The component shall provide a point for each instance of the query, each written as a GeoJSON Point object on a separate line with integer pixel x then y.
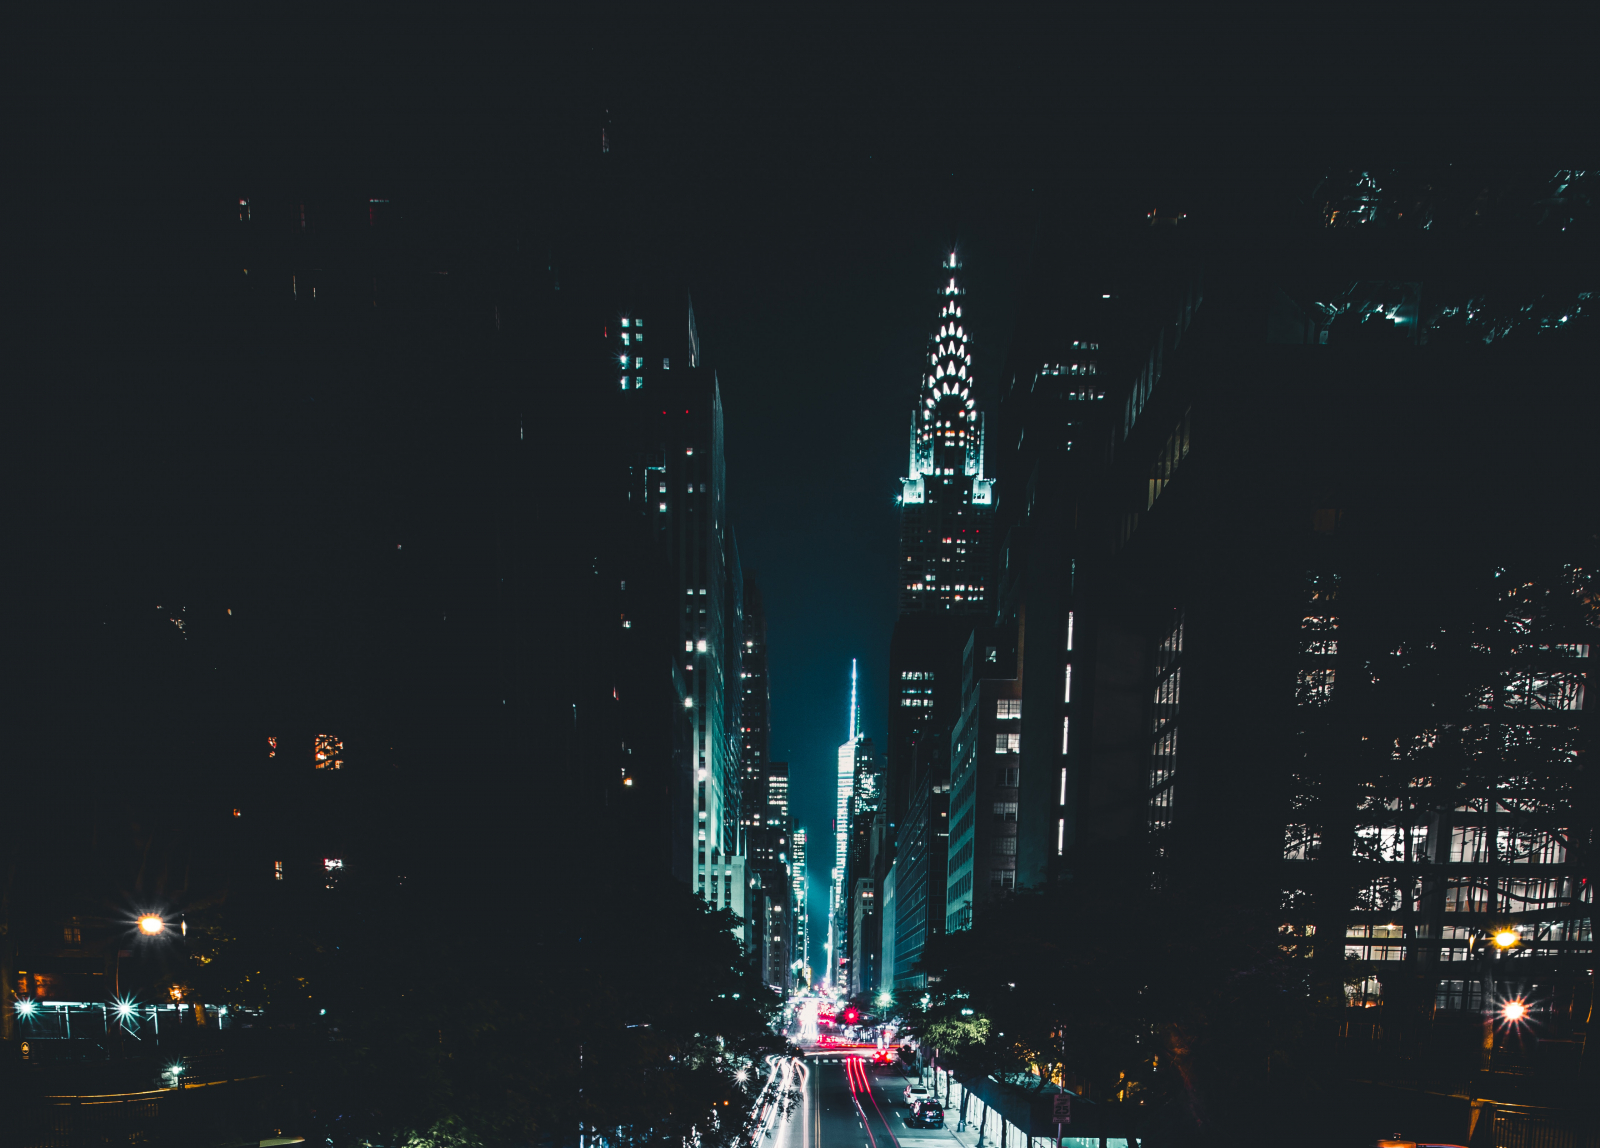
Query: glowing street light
{"type": "Point", "coordinates": [1513, 1010]}
{"type": "Point", "coordinates": [25, 1008]}
{"type": "Point", "coordinates": [151, 925]}
{"type": "Point", "coordinates": [124, 1007]}
{"type": "Point", "coordinates": [1507, 938]}
{"type": "Point", "coordinates": [741, 1076]}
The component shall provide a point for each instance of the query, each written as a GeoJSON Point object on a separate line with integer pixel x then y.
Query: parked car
{"type": "Point", "coordinates": [916, 1092]}
{"type": "Point", "coordinates": [926, 1114]}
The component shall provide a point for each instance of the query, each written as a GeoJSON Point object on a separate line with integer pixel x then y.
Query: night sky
{"type": "Point", "coordinates": [814, 178]}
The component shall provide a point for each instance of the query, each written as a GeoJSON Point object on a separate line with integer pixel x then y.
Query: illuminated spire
{"type": "Point", "coordinates": [855, 706]}
{"type": "Point", "coordinates": [947, 428]}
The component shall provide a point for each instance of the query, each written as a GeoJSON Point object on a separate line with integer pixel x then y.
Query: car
{"type": "Point", "coordinates": [916, 1092]}
{"type": "Point", "coordinates": [883, 1056]}
{"type": "Point", "coordinates": [926, 1114]}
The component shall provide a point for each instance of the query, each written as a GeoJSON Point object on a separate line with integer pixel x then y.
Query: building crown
{"type": "Point", "coordinates": [947, 427]}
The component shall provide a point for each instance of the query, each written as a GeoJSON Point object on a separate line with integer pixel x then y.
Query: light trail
{"type": "Point", "coordinates": [858, 1066]}
{"type": "Point", "coordinates": [851, 1063]}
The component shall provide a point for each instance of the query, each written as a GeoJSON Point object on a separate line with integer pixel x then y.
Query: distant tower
{"type": "Point", "coordinates": [837, 907]}
{"type": "Point", "coordinates": [801, 920]}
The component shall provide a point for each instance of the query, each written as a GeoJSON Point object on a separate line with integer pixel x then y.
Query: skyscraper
{"type": "Point", "coordinates": [946, 512]}
{"type": "Point", "coordinates": [801, 920]}
{"type": "Point", "coordinates": [756, 821]}
{"type": "Point", "coordinates": [1352, 697]}
{"type": "Point", "coordinates": [945, 497]}
{"type": "Point", "coordinates": [843, 794]}
{"type": "Point", "coordinates": [670, 407]}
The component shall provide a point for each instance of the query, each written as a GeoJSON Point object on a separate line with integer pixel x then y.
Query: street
{"type": "Point", "coordinates": [847, 1104]}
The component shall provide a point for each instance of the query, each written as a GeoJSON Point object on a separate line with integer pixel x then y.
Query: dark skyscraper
{"type": "Point", "coordinates": [681, 482]}
{"type": "Point", "coordinates": [1352, 696]}
{"type": "Point", "coordinates": [755, 728]}
{"type": "Point", "coordinates": [764, 801]}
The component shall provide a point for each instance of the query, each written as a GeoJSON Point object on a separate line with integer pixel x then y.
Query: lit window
{"type": "Point", "coordinates": [701, 645]}
{"type": "Point", "coordinates": [624, 338]}
{"type": "Point", "coordinates": [638, 322]}
{"type": "Point", "coordinates": [326, 750]}
{"type": "Point", "coordinates": [1008, 708]}
{"type": "Point", "coordinates": [277, 870]}
{"type": "Point", "coordinates": [688, 645]}
{"type": "Point", "coordinates": [624, 382]}
{"type": "Point", "coordinates": [666, 364]}
{"type": "Point", "coordinates": [1008, 743]}
{"type": "Point", "coordinates": [1005, 811]}
{"type": "Point", "coordinates": [638, 364]}
{"type": "Point", "coordinates": [625, 322]}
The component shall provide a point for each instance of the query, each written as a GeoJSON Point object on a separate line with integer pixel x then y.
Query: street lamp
{"type": "Point", "coordinates": [1507, 938]}
{"type": "Point", "coordinates": [1514, 1010]}
{"type": "Point", "coordinates": [151, 925]}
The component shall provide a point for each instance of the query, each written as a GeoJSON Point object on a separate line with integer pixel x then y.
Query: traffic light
{"type": "Point", "coordinates": [851, 1015]}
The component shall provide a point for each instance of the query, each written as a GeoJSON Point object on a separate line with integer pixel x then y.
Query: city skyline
{"type": "Point", "coordinates": [458, 477]}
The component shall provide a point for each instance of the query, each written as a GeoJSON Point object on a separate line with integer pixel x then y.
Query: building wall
{"type": "Point", "coordinates": [985, 780]}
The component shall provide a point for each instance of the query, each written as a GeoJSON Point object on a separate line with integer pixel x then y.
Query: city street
{"type": "Point", "coordinates": [847, 1104]}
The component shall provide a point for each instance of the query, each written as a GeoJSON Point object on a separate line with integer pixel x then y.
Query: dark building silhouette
{"type": "Point", "coordinates": [1293, 593]}
{"type": "Point", "coordinates": [764, 793]}
{"type": "Point", "coordinates": [913, 903]}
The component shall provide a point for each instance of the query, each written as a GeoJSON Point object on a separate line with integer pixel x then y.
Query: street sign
{"type": "Point", "coordinates": [1061, 1108]}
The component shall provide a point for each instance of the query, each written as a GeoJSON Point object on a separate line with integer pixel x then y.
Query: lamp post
{"type": "Point", "coordinates": [1501, 940]}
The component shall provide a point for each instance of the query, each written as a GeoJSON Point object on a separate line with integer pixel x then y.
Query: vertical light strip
{"type": "Point", "coordinates": [1061, 833]}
